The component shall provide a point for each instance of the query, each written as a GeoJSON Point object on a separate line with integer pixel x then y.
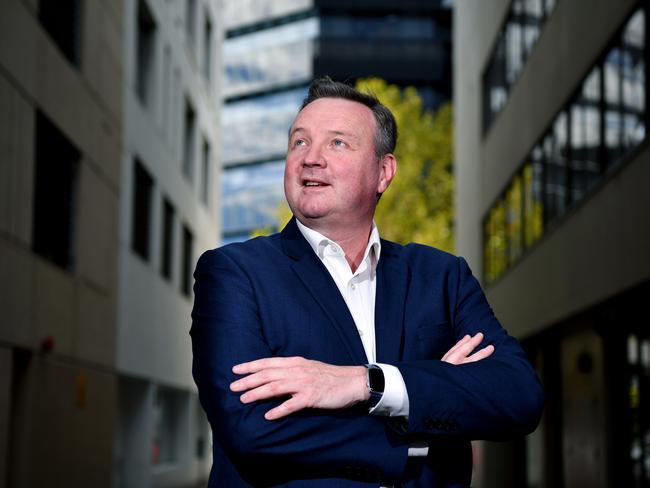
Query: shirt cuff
{"type": "Point", "coordinates": [395, 400]}
{"type": "Point", "coordinates": [419, 449]}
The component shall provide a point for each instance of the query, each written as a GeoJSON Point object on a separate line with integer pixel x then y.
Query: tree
{"type": "Point", "coordinates": [418, 205]}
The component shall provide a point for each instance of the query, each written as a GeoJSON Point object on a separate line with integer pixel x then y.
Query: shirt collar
{"type": "Point", "coordinates": [318, 242]}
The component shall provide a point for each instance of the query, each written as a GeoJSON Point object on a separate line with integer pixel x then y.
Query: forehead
{"type": "Point", "coordinates": [335, 114]}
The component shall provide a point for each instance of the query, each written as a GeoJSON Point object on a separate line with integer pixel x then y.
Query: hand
{"type": "Point", "coordinates": [311, 384]}
{"type": "Point", "coordinates": [460, 353]}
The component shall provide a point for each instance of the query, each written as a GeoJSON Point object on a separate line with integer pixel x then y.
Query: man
{"type": "Point", "coordinates": [325, 356]}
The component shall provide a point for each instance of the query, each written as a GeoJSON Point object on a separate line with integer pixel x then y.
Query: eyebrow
{"type": "Point", "coordinates": [332, 132]}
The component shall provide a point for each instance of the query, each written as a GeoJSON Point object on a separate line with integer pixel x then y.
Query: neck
{"type": "Point", "coordinates": [352, 239]}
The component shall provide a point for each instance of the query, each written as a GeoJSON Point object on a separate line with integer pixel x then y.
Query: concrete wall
{"type": "Point", "coordinates": [57, 408]}
{"type": "Point", "coordinates": [475, 27]}
{"type": "Point", "coordinates": [154, 315]}
{"type": "Point", "coordinates": [76, 309]}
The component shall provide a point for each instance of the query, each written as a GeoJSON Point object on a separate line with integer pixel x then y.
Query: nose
{"type": "Point", "coordinates": [314, 157]}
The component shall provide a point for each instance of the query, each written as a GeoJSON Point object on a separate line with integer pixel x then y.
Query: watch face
{"type": "Point", "coordinates": [376, 379]}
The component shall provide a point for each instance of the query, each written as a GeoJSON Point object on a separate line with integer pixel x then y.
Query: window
{"type": "Point", "coordinates": [55, 194]}
{"type": "Point", "coordinates": [186, 271]}
{"type": "Point", "coordinates": [188, 141]}
{"type": "Point", "coordinates": [207, 48]}
{"type": "Point", "coordinates": [167, 254]}
{"type": "Point", "coordinates": [633, 81]}
{"type": "Point", "coordinates": [145, 54]}
{"type": "Point", "coordinates": [166, 95]}
{"type": "Point", "coordinates": [513, 219]}
{"type": "Point", "coordinates": [141, 215]}
{"type": "Point", "coordinates": [514, 43]}
{"type": "Point", "coordinates": [533, 198]}
{"type": "Point", "coordinates": [595, 131]}
{"type": "Point", "coordinates": [190, 23]}
{"type": "Point", "coordinates": [555, 154]}
{"type": "Point", "coordinates": [168, 425]}
{"type": "Point", "coordinates": [585, 136]}
{"type": "Point", "coordinates": [205, 174]}
{"type": "Point", "coordinates": [62, 21]}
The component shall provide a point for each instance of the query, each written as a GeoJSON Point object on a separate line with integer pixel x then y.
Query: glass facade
{"type": "Point", "coordinates": [256, 129]}
{"type": "Point", "coordinates": [388, 27]}
{"type": "Point", "coordinates": [269, 58]}
{"type": "Point", "coordinates": [246, 12]}
{"type": "Point", "coordinates": [250, 196]}
{"type": "Point", "coordinates": [596, 130]}
{"type": "Point", "coordinates": [514, 44]}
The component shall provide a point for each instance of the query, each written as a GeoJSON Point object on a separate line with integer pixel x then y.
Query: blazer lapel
{"type": "Point", "coordinates": [320, 284]}
{"type": "Point", "coordinates": [392, 284]}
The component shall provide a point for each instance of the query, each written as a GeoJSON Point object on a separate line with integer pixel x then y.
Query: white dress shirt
{"type": "Point", "coordinates": [358, 290]}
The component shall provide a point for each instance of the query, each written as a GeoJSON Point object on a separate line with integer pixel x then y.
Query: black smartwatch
{"type": "Point", "coordinates": [375, 383]}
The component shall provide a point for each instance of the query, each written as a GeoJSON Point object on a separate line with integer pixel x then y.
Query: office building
{"type": "Point", "coordinates": [553, 213]}
{"type": "Point", "coordinates": [272, 51]}
{"type": "Point", "coordinates": [168, 216]}
{"type": "Point", "coordinates": [109, 190]}
{"type": "Point", "coordinates": [61, 120]}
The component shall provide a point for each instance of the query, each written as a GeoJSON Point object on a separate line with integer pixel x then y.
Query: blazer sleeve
{"type": "Point", "coordinates": [226, 330]}
{"type": "Point", "coordinates": [497, 398]}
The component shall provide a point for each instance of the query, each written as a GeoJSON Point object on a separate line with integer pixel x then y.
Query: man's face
{"type": "Point", "coordinates": [332, 175]}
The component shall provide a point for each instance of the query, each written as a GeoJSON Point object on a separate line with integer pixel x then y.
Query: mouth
{"type": "Point", "coordinates": [313, 183]}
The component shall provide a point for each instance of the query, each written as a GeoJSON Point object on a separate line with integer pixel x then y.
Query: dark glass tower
{"type": "Point", "coordinates": [271, 55]}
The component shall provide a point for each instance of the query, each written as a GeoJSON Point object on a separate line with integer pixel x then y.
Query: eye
{"type": "Point", "coordinates": [338, 142]}
{"type": "Point", "coordinates": [299, 142]}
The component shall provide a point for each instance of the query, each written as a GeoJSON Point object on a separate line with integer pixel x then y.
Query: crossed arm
{"type": "Point", "coordinates": [314, 384]}
{"type": "Point", "coordinates": [488, 394]}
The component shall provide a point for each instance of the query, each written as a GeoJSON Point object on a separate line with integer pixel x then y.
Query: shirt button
{"type": "Point", "coordinates": [360, 332]}
{"type": "Point", "coordinates": [333, 248]}
{"type": "Point", "coordinates": [353, 286]}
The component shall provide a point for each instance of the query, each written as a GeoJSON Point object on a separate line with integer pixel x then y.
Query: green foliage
{"type": "Point", "coordinates": [418, 206]}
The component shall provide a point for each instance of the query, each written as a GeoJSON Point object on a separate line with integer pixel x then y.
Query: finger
{"type": "Point", "coordinates": [460, 343]}
{"type": "Point", "coordinates": [265, 363]}
{"type": "Point", "coordinates": [292, 405]}
{"type": "Point", "coordinates": [269, 390]}
{"type": "Point", "coordinates": [262, 377]}
{"type": "Point", "coordinates": [482, 354]}
{"type": "Point", "coordinates": [463, 348]}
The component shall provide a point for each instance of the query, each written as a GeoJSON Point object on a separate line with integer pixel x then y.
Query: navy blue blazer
{"type": "Point", "coordinates": [272, 296]}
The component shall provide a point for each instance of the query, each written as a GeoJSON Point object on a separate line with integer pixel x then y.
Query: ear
{"type": "Point", "coordinates": [388, 168]}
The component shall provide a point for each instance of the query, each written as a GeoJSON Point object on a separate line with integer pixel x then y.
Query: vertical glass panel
{"type": "Point", "coordinates": [613, 118]}
{"type": "Point", "coordinates": [550, 5]}
{"type": "Point", "coordinates": [496, 81]}
{"type": "Point", "coordinates": [533, 202]}
{"type": "Point", "coordinates": [513, 219]}
{"type": "Point", "coordinates": [555, 149]}
{"type": "Point", "coordinates": [532, 15]}
{"type": "Point", "coordinates": [633, 81]}
{"type": "Point", "coordinates": [514, 43]}
{"type": "Point", "coordinates": [585, 136]}
{"type": "Point", "coordinates": [488, 274]}
{"type": "Point", "coordinates": [497, 242]}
